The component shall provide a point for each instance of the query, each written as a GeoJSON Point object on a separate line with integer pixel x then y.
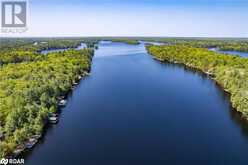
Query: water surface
{"type": "Point", "coordinates": [230, 52]}
{"type": "Point", "coordinates": [135, 110]}
{"type": "Point", "coordinates": [81, 46]}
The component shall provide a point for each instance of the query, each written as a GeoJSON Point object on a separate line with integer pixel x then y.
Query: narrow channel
{"type": "Point", "coordinates": [135, 110]}
{"type": "Point", "coordinates": [230, 52]}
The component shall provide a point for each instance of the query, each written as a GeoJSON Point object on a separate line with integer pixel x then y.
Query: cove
{"type": "Point", "coordinates": [81, 46]}
{"type": "Point", "coordinates": [230, 52]}
{"type": "Point", "coordinates": [135, 110]}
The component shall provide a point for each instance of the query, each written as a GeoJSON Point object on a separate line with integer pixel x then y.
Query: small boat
{"type": "Point", "coordinates": [226, 90]}
{"type": "Point", "coordinates": [86, 74]}
{"type": "Point", "coordinates": [53, 118]}
{"type": "Point", "coordinates": [209, 73]}
{"type": "Point", "coordinates": [36, 137]}
{"type": "Point", "coordinates": [62, 102]}
{"type": "Point", "coordinates": [31, 142]}
{"type": "Point", "coordinates": [61, 97]}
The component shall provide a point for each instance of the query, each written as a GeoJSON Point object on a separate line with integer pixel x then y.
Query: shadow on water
{"type": "Point", "coordinates": [136, 110]}
{"type": "Point", "coordinates": [236, 116]}
{"type": "Point", "coordinates": [49, 128]}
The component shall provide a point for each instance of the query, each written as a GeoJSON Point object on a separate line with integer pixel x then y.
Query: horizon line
{"type": "Point", "coordinates": [180, 37]}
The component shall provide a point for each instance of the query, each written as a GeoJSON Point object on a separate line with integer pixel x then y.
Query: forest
{"type": "Point", "coordinates": [127, 41]}
{"type": "Point", "coordinates": [25, 50]}
{"type": "Point", "coordinates": [230, 72]}
{"type": "Point", "coordinates": [236, 44]}
{"type": "Point", "coordinates": [30, 85]}
{"type": "Point", "coordinates": [225, 44]}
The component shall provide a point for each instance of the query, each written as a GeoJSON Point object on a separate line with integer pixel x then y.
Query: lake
{"type": "Point", "coordinates": [135, 110]}
{"type": "Point", "coordinates": [230, 52]}
{"type": "Point", "coordinates": [81, 46]}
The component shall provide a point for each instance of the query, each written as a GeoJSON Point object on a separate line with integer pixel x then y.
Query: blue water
{"type": "Point", "coordinates": [134, 110]}
{"type": "Point", "coordinates": [82, 46]}
{"type": "Point", "coordinates": [231, 52]}
{"type": "Point", "coordinates": [152, 43]}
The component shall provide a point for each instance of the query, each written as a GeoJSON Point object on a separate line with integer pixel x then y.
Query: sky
{"type": "Point", "coordinates": [164, 18]}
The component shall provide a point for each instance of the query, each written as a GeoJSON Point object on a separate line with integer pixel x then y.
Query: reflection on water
{"type": "Point", "coordinates": [234, 115]}
{"type": "Point", "coordinates": [135, 110]}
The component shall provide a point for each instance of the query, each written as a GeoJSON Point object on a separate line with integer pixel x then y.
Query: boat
{"type": "Point", "coordinates": [36, 137]}
{"type": "Point", "coordinates": [61, 97]}
{"type": "Point", "coordinates": [62, 102]}
{"type": "Point", "coordinates": [86, 74]}
{"type": "Point", "coordinates": [31, 142]}
{"type": "Point", "coordinates": [53, 120]}
{"type": "Point", "coordinates": [209, 73]}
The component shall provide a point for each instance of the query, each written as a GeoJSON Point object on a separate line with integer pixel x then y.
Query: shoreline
{"type": "Point", "coordinates": [209, 75]}
{"type": "Point", "coordinates": [33, 140]}
{"type": "Point", "coordinates": [51, 117]}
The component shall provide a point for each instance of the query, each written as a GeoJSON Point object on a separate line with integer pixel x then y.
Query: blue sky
{"type": "Point", "coordinates": [181, 18]}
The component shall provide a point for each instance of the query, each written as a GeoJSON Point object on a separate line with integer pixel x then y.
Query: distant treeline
{"type": "Point", "coordinates": [25, 50]}
{"type": "Point", "coordinates": [237, 44]}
